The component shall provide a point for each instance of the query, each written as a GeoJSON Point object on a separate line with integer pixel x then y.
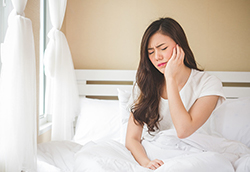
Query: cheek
{"type": "Point", "coordinates": [169, 54]}
{"type": "Point", "coordinates": [152, 59]}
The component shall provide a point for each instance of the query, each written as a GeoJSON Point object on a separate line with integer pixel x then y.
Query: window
{"type": "Point", "coordinates": [5, 8]}
{"type": "Point", "coordinates": [45, 26]}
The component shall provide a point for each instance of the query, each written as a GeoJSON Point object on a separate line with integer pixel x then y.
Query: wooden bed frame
{"type": "Point", "coordinates": [105, 82]}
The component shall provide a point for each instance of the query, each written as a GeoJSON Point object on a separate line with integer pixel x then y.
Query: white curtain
{"type": "Point", "coordinates": [62, 100]}
{"type": "Point", "coordinates": [18, 129]}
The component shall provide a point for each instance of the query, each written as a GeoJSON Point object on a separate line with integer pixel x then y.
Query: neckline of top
{"type": "Point", "coordinates": [188, 80]}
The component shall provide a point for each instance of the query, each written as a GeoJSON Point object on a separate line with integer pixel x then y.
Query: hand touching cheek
{"type": "Point", "coordinates": [175, 63]}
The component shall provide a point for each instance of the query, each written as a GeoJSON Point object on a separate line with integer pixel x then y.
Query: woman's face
{"type": "Point", "coordinates": [160, 49]}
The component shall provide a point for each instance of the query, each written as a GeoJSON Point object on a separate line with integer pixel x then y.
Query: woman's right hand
{"type": "Point", "coordinates": [176, 61]}
{"type": "Point", "coordinates": [153, 165]}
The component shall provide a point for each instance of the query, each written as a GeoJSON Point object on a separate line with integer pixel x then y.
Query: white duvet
{"type": "Point", "coordinates": [196, 153]}
{"type": "Point", "coordinates": [56, 156]}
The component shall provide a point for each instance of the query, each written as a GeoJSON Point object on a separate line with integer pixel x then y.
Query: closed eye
{"type": "Point", "coordinates": [164, 48]}
{"type": "Point", "coordinates": [150, 52]}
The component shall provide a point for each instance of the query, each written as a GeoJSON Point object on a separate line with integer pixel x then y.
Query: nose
{"type": "Point", "coordinates": [158, 56]}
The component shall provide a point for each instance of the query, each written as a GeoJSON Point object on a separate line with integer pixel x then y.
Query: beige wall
{"type": "Point", "coordinates": [106, 34]}
{"type": "Point", "coordinates": [45, 137]}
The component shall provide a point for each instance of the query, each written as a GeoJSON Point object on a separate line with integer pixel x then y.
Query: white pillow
{"type": "Point", "coordinates": [232, 120]}
{"type": "Point", "coordinates": [124, 97]}
{"type": "Point", "coordinates": [126, 100]}
{"type": "Point", "coordinates": [99, 119]}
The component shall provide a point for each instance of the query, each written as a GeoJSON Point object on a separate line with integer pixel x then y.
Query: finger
{"type": "Point", "coordinates": [152, 167]}
{"type": "Point", "coordinates": [178, 49]}
{"type": "Point", "coordinates": [173, 53]}
{"type": "Point", "coordinates": [160, 162]}
{"type": "Point", "coordinates": [181, 54]}
{"type": "Point", "coordinates": [156, 165]}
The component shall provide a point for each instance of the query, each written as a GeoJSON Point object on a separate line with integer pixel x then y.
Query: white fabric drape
{"type": "Point", "coordinates": [18, 129]}
{"type": "Point", "coordinates": [62, 100]}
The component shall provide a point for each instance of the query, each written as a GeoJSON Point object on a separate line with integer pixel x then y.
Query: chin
{"type": "Point", "coordinates": [161, 70]}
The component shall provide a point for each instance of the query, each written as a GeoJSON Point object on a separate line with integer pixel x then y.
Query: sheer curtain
{"type": "Point", "coordinates": [18, 94]}
{"type": "Point", "coordinates": [62, 100]}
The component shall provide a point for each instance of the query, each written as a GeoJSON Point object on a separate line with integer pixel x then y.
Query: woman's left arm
{"type": "Point", "coordinates": [185, 122]}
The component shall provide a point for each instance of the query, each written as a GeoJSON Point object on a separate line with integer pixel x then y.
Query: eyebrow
{"type": "Point", "coordinates": [156, 46]}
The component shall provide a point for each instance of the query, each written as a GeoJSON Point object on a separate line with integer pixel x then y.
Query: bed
{"type": "Point", "coordinates": [98, 143]}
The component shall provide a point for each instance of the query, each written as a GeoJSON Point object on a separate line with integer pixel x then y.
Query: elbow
{"type": "Point", "coordinates": [182, 134]}
{"type": "Point", "coordinates": [127, 144]}
{"type": "Point", "coordinates": [185, 130]}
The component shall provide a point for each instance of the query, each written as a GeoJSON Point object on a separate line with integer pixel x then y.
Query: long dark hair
{"type": "Point", "coordinates": [149, 80]}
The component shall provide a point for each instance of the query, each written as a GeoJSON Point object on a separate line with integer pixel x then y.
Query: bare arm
{"type": "Point", "coordinates": [133, 143]}
{"type": "Point", "coordinates": [185, 122]}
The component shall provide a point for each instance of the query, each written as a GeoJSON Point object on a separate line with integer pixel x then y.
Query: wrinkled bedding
{"type": "Point", "coordinates": [56, 156]}
{"type": "Point", "coordinates": [199, 152]}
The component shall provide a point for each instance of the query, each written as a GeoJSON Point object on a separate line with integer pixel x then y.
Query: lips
{"type": "Point", "coordinates": [161, 64]}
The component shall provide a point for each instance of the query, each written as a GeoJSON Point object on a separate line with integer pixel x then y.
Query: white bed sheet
{"type": "Point", "coordinates": [56, 156]}
{"type": "Point", "coordinates": [198, 152]}
{"type": "Point", "coordinates": [194, 154]}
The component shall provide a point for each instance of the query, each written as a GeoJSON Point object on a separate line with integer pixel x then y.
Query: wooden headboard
{"type": "Point", "coordinates": [106, 82]}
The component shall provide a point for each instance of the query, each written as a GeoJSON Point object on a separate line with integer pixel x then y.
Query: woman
{"type": "Point", "coordinates": [174, 93]}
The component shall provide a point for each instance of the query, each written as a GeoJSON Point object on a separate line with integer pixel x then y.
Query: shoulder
{"type": "Point", "coordinates": [206, 83]}
{"type": "Point", "coordinates": [203, 77]}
